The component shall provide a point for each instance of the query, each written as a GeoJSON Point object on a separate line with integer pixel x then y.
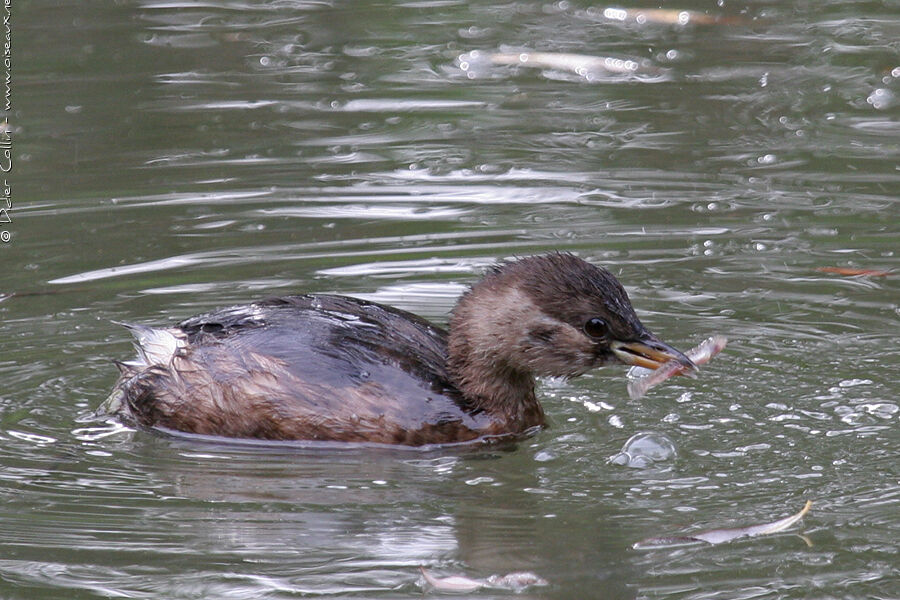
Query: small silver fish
{"type": "Point", "coordinates": [700, 355]}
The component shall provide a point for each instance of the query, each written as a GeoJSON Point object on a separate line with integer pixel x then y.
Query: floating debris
{"type": "Point", "coordinates": [700, 355]}
{"type": "Point", "coordinates": [580, 64]}
{"type": "Point", "coordinates": [719, 536]}
{"type": "Point", "coordinates": [476, 62]}
{"type": "Point", "coordinates": [667, 16]}
{"type": "Point", "coordinates": [515, 581]}
{"type": "Point", "coordinates": [454, 583]}
{"type": "Point", "coordinates": [851, 272]}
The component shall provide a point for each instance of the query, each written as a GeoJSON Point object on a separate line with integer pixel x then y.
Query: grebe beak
{"type": "Point", "coordinates": [650, 353]}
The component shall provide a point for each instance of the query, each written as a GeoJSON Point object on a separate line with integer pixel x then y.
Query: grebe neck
{"type": "Point", "coordinates": [484, 337]}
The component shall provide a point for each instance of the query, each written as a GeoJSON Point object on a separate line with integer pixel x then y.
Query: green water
{"type": "Point", "coordinates": [170, 157]}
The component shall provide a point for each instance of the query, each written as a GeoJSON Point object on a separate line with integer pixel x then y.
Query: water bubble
{"type": "Point", "coordinates": [616, 14]}
{"type": "Point", "coordinates": [643, 449]}
{"type": "Point", "coordinates": [655, 446]}
{"type": "Point", "coordinates": [544, 456]}
{"type": "Point", "coordinates": [881, 99]}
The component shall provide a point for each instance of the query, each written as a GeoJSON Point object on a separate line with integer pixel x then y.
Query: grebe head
{"type": "Point", "coordinates": [554, 315]}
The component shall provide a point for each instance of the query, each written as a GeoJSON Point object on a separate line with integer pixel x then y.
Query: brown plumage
{"type": "Point", "coordinates": [322, 367]}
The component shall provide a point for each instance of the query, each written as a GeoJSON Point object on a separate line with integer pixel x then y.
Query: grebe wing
{"type": "Point", "coordinates": [307, 367]}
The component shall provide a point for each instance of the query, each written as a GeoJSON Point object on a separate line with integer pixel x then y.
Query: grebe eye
{"type": "Point", "coordinates": [595, 327]}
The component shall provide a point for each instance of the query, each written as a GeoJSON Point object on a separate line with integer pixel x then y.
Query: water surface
{"type": "Point", "coordinates": [170, 157]}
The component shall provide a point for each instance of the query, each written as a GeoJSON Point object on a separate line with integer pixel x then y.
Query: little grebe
{"type": "Point", "coordinates": [323, 367]}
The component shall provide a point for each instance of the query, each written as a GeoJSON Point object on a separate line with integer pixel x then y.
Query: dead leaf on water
{"type": "Point", "coordinates": [851, 272]}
